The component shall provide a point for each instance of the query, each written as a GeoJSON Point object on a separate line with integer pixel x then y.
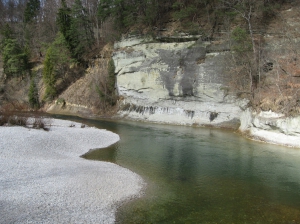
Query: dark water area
{"type": "Point", "coordinates": [202, 175]}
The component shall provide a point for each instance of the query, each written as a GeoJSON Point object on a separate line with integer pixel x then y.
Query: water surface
{"type": "Point", "coordinates": [198, 175]}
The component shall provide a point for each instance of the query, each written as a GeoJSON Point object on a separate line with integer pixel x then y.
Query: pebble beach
{"type": "Point", "coordinates": [43, 179]}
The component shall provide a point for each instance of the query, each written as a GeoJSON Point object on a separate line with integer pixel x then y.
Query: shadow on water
{"type": "Point", "coordinates": [106, 154]}
{"type": "Point", "coordinates": [197, 175]}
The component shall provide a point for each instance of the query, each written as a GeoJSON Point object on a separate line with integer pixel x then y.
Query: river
{"type": "Point", "coordinates": [203, 175]}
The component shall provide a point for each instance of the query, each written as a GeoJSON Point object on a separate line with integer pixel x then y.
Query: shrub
{"type": "Point", "coordinates": [3, 119]}
{"type": "Point", "coordinates": [33, 96]}
{"type": "Point", "coordinates": [6, 112]}
{"type": "Point", "coordinates": [17, 121]}
{"type": "Point", "coordinates": [38, 123]}
{"type": "Point", "coordinates": [7, 117]}
{"type": "Point", "coordinates": [61, 101]}
{"type": "Point", "coordinates": [242, 40]}
{"type": "Point", "coordinates": [56, 60]}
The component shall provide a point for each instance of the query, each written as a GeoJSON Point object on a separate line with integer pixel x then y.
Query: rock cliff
{"type": "Point", "coordinates": [184, 80]}
{"type": "Point", "coordinates": [175, 80]}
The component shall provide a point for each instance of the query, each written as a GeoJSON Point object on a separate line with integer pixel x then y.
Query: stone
{"type": "Point", "coordinates": [174, 82]}
{"type": "Point", "coordinates": [271, 127]}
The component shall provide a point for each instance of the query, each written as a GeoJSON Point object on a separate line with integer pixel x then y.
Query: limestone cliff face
{"type": "Point", "coordinates": [175, 82]}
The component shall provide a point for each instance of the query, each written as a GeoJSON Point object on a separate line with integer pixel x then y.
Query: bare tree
{"type": "Point", "coordinates": [245, 8]}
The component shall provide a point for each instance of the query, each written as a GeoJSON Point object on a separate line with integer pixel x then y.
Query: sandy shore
{"type": "Point", "coordinates": [43, 179]}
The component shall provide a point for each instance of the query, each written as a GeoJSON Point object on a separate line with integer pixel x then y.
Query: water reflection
{"type": "Point", "coordinates": [107, 154]}
{"type": "Point", "coordinates": [199, 175]}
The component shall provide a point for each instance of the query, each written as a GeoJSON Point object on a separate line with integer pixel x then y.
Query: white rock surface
{"type": "Point", "coordinates": [271, 127]}
{"type": "Point", "coordinates": [177, 83]}
{"type": "Point", "coordinates": [43, 179]}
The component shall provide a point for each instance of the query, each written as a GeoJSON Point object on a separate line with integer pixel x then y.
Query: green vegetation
{"type": "Point", "coordinates": [111, 82]}
{"type": "Point", "coordinates": [49, 74]}
{"type": "Point", "coordinates": [184, 12]}
{"type": "Point", "coordinates": [31, 10]}
{"type": "Point", "coordinates": [76, 28]}
{"type": "Point", "coordinates": [242, 42]}
{"type": "Point", "coordinates": [61, 101]}
{"type": "Point", "coordinates": [67, 31]}
{"type": "Point", "coordinates": [137, 12]}
{"type": "Point", "coordinates": [107, 93]}
{"type": "Point", "coordinates": [33, 95]}
{"type": "Point", "coordinates": [64, 19]}
{"type": "Point", "coordinates": [57, 61]}
{"type": "Point", "coordinates": [15, 57]}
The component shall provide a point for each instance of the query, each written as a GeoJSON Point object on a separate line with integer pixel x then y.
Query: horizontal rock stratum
{"type": "Point", "coordinates": [178, 83]}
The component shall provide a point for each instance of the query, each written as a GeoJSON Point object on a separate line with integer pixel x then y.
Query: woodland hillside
{"type": "Point", "coordinates": [47, 46]}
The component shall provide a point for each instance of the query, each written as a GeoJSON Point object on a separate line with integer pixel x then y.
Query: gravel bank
{"type": "Point", "coordinates": [43, 179]}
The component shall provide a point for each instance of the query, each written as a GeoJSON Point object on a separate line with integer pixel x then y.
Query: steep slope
{"type": "Point", "coordinates": [274, 116]}
{"type": "Point", "coordinates": [82, 97]}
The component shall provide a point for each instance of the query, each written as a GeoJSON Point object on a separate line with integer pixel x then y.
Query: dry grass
{"type": "Point", "coordinates": [8, 117]}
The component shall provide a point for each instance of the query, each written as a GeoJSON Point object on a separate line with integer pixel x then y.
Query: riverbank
{"type": "Point", "coordinates": [271, 128]}
{"type": "Point", "coordinates": [268, 127]}
{"type": "Point", "coordinates": [43, 179]}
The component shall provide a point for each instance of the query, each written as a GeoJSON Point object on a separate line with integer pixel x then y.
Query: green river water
{"type": "Point", "coordinates": [202, 175]}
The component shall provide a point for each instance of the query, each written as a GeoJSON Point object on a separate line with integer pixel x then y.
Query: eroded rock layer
{"type": "Point", "coordinates": [176, 82]}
